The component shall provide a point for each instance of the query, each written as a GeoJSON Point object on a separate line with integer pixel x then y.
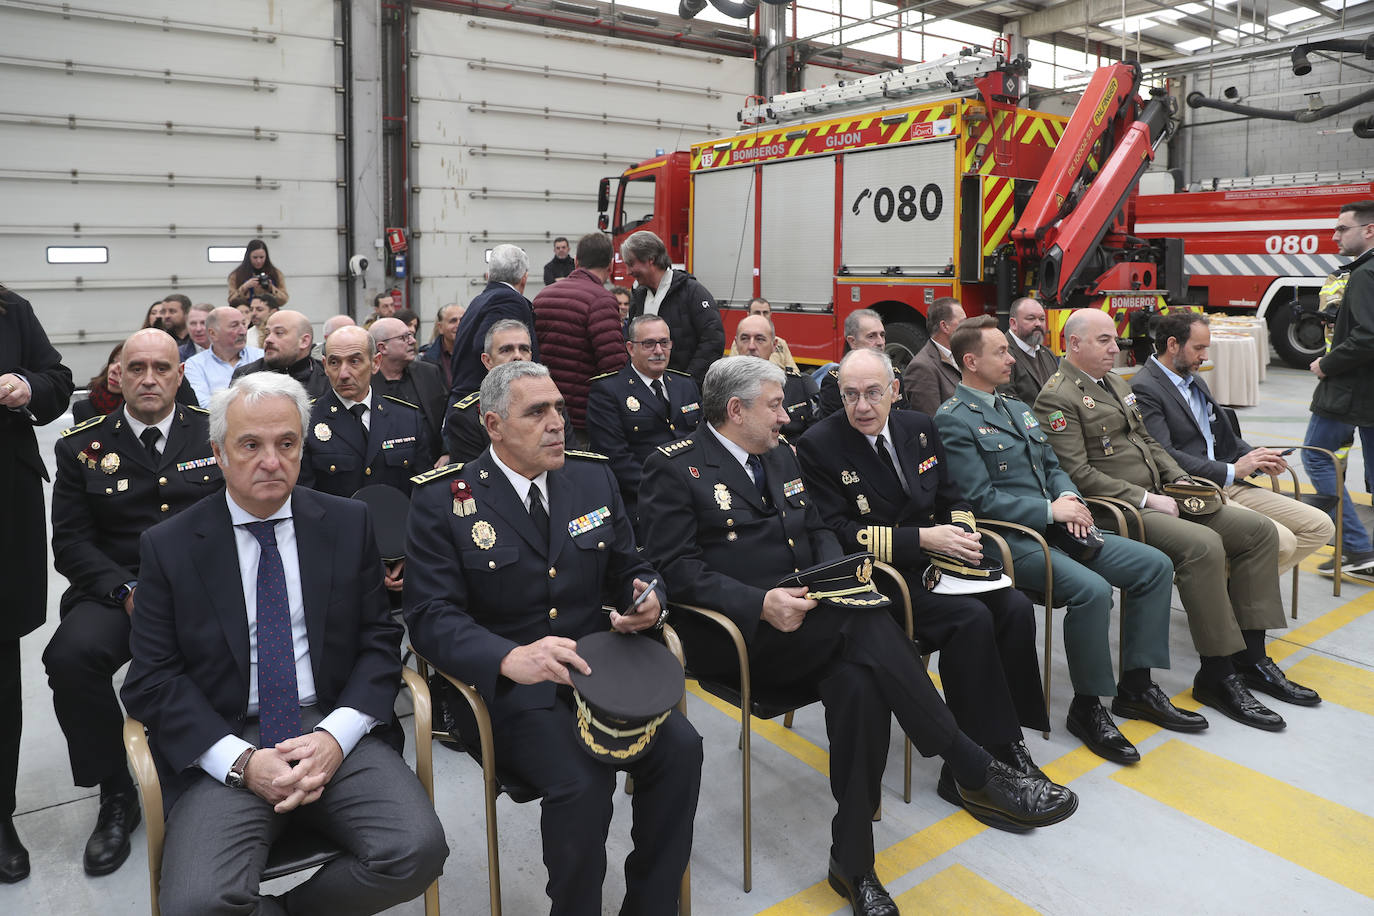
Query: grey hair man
{"type": "Point", "coordinates": [508, 271]}
{"type": "Point", "coordinates": [212, 370]}
{"type": "Point", "coordinates": [679, 299]}
{"type": "Point", "coordinates": [863, 329]}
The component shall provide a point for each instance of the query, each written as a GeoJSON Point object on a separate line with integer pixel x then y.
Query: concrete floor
{"type": "Point", "coordinates": [1230, 821]}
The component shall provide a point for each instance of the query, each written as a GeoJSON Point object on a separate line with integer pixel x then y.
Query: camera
{"type": "Point", "coordinates": [264, 280]}
{"type": "Point", "coordinates": [357, 265]}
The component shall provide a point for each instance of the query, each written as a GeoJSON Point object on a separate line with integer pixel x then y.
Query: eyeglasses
{"type": "Point", "coordinates": [664, 342]}
{"type": "Point", "coordinates": [408, 335]}
{"type": "Point", "coordinates": [1340, 230]}
{"type": "Point", "coordinates": [872, 395]}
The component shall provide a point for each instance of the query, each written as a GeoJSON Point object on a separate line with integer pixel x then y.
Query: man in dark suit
{"type": "Point", "coordinates": [726, 518]}
{"type": "Point", "coordinates": [117, 476]}
{"type": "Point", "coordinates": [1225, 561]}
{"type": "Point", "coordinates": [264, 660]}
{"type": "Point", "coordinates": [512, 557]}
{"type": "Point", "coordinates": [931, 377]}
{"type": "Point", "coordinates": [440, 350]}
{"type": "Point", "coordinates": [863, 329]}
{"type": "Point", "coordinates": [286, 349]}
{"type": "Point", "coordinates": [679, 299]}
{"type": "Point", "coordinates": [883, 484]}
{"type": "Point", "coordinates": [34, 390]}
{"type": "Point", "coordinates": [504, 297]}
{"type": "Point", "coordinates": [644, 405]}
{"type": "Point", "coordinates": [359, 436]}
{"type": "Point", "coordinates": [1184, 418]}
{"type": "Point", "coordinates": [1035, 362]}
{"type": "Point", "coordinates": [403, 376]}
{"type": "Point", "coordinates": [755, 336]}
{"type": "Point", "coordinates": [1009, 471]}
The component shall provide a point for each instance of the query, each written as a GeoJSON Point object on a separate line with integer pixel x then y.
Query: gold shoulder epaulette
{"type": "Point", "coordinates": [468, 401]}
{"type": "Point", "coordinates": [197, 408]}
{"type": "Point", "coordinates": [435, 474]}
{"type": "Point", "coordinates": [595, 378]}
{"type": "Point", "coordinates": [400, 401]}
{"type": "Point", "coordinates": [672, 448]}
{"type": "Point", "coordinates": [834, 372]}
{"type": "Point", "coordinates": [592, 456]}
{"type": "Point", "coordinates": [679, 372]}
{"type": "Point", "coordinates": [85, 424]}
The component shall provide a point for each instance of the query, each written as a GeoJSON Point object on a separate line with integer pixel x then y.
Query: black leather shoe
{"type": "Point", "coordinates": [1090, 723]}
{"type": "Point", "coordinates": [1016, 756]}
{"type": "Point", "coordinates": [108, 846]}
{"type": "Point", "coordinates": [1014, 802]}
{"type": "Point", "coordinates": [1267, 677]}
{"type": "Point", "coordinates": [14, 858]}
{"type": "Point", "coordinates": [864, 893]}
{"type": "Point", "coordinates": [1153, 706]}
{"type": "Point", "coordinates": [1233, 699]}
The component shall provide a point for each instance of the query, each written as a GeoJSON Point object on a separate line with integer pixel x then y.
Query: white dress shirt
{"type": "Point", "coordinates": [164, 426]}
{"type": "Point", "coordinates": [655, 296]}
{"type": "Point", "coordinates": [346, 724]}
{"type": "Point", "coordinates": [366, 402]}
{"type": "Point", "coordinates": [740, 454]}
{"type": "Point", "coordinates": [207, 373]}
{"type": "Point", "coordinates": [522, 484]}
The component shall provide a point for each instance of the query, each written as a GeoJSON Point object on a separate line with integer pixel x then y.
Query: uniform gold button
{"type": "Point", "coordinates": [790, 543]}
{"type": "Point", "coordinates": [636, 429]}
{"type": "Point", "coordinates": [1001, 445]}
{"type": "Point", "coordinates": [206, 477]}
{"type": "Point", "coordinates": [367, 471]}
{"type": "Point", "coordinates": [166, 508]}
{"type": "Point", "coordinates": [796, 569]}
{"type": "Point", "coordinates": [109, 490]}
{"type": "Point", "coordinates": [729, 523]}
{"type": "Point", "coordinates": [491, 564]}
{"type": "Point", "coordinates": [600, 545]}
{"type": "Point", "coordinates": [331, 469]}
{"type": "Point", "coordinates": [553, 613]}
{"type": "Point", "coordinates": [162, 481]}
{"type": "Point", "coordinates": [553, 573]}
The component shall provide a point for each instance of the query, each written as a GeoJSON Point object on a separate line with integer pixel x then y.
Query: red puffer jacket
{"type": "Point", "coordinates": [580, 336]}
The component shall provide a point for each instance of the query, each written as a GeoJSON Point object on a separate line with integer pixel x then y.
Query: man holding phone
{"type": "Point", "coordinates": [1182, 416]}
{"type": "Point", "coordinates": [511, 558]}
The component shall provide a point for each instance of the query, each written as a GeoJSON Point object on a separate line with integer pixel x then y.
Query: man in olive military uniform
{"type": "Point", "coordinates": [117, 475]}
{"type": "Point", "coordinates": [1099, 434]}
{"type": "Point", "coordinates": [726, 518]}
{"type": "Point", "coordinates": [357, 437]}
{"type": "Point", "coordinates": [1009, 472]}
{"type": "Point", "coordinates": [512, 556]}
{"type": "Point", "coordinates": [755, 336]}
{"type": "Point", "coordinates": [640, 407]}
{"type": "Point", "coordinates": [882, 483]}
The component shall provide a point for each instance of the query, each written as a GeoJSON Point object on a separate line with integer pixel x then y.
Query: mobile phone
{"type": "Point", "coordinates": [634, 606]}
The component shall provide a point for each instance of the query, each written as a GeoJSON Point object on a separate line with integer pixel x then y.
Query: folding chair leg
{"type": "Point", "coordinates": [906, 780]}
{"type": "Point", "coordinates": [787, 719]}
{"type": "Point", "coordinates": [746, 766]}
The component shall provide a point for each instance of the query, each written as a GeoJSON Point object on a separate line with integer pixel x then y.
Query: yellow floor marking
{"type": "Point", "coordinates": [1337, 682]}
{"type": "Point", "coordinates": [770, 730]}
{"type": "Point", "coordinates": [956, 890]}
{"type": "Point", "coordinates": [1291, 641]}
{"type": "Point", "coordinates": [1306, 829]}
{"type": "Point", "coordinates": [1286, 486]}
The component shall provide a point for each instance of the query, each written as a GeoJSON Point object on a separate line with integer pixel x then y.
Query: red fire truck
{"type": "Point", "coordinates": [1261, 246]}
{"type": "Point", "coordinates": [892, 205]}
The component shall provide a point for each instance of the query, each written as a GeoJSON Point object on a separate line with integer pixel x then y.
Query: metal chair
{"type": "Point", "coordinates": [299, 847]}
{"type": "Point", "coordinates": [496, 781]}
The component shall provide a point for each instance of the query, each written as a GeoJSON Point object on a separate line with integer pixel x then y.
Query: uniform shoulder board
{"type": "Point", "coordinates": [591, 456]}
{"type": "Point", "coordinates": [783, 439]}
{"type": "Point", "coordinates": [399, 401]}
{"type": "Point", "coordinates": [595, 378]}
{"type": "Point", "coordinates": [84, 424]}
{"type": "Point", "coordinates": [435, 474]}
{"type": "Point", "coordinates": [834, 372]}
{"type": "Point", "coordinates": [196, 408]}
{"type": "Point", "coordinates": [672, 448]}
{"type": "Point", "coordinates": [679, 372]}
{"type": "Point", "coordinates": [468, 401]}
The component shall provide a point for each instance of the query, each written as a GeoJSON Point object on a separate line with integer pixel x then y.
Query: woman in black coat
{"type": "Point", "coordinates": [34, 390]}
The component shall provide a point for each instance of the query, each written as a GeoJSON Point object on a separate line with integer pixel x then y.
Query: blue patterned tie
{"type": "Point", "coordinates": [279, 700]}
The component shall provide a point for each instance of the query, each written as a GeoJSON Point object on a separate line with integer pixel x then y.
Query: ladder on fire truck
{"type": "Point", "coordinates": [947, 75]}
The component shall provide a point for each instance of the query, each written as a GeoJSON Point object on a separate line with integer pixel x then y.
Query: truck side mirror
{"type": "Point", "coordinates": [603, 196]}
{"type": "Point", "coordinates": [603, 222]}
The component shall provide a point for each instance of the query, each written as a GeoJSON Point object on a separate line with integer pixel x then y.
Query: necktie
{"type": "Point", "coordinates": [279, 701]}
{"type": "Point", "coordinates": [760, 479]}
{"type": "Point", "coordinates": [358, 410]}
{"type": "Point", "coordinates": [662, 395]}
{"type": "Point", "coordinates": [537, 513]}
{"type": "Point", "coordinates": [149, 439]}
{"type": "Point", "coordinates": [880, 446]}
{"type": "Point", "coordinates": [1001, 404]}
{"type": "Point", "coordinates": [1105, 387]}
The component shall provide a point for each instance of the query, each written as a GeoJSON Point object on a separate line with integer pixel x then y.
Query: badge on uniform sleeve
{"type": "Point", "coordinates": [923, 440]}
{"type": "Point", "coordinates": [927, 464]}
{"type": "Point", "coordinates": [483, 535]}
{"type": "Point", "coordinates": [1088, 401]}
{"type": "Point", "coordinates": [323, 432]}
{"type": "Point", "coordinates": [848, 477]}
{"type": "Point", "coordinates": [694, 472]}
{"type": "Point", "coordinates": [463, 503]}
{"type": "Point", "coordinates": [722, 496]}
{"type": "Point", "coordinates": [110, 463]}
{"type": "Point", "coordinates": [862, 502]}
{"type": "Point", "coordinates": [632, 402]}
{"type": "Point", "coordinates": [1057, 421]}
{"type": "Point", "coordinates": [792, 487]}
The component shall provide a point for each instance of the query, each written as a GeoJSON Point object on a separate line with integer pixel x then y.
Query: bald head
{"type": "Point", "coordinates": [395, 343]}
{"type": "Point", "coordinates": [754, 336]}
{"type": "Point", "coordinates": [289, 339]}
{"type": "Point", "coordinates": [335, 322]}
{"type": "Point", "coordinates": [1090, 341]}
{"type": "Point", "coordinates": [150, 374]}
{"type": "Point", "coordinates": [227, 329]}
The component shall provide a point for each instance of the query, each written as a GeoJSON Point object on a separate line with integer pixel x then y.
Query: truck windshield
{"type": "Point", "coordinates": [634, 203]}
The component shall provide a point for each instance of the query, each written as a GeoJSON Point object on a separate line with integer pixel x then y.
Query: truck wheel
{"type": "Point", "coordinates": [903, 340]}
{"type": "Point", "coordinates": [1298, 340]}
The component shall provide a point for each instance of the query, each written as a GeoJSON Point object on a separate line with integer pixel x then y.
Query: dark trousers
{"type": "Point", "coordinates": [988, 665]}
{"type": "Point", "coordinates": [89, 646]}
{"type": "Point", "coordinates": [541, 748]}
{"type": "Point", "coordinates": [11, 722]}
{"type": "Point", "coordinates": [865, 670]}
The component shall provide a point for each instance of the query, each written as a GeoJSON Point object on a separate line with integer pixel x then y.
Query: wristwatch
{"type": "Point", "coordinates": [121, 594]}
{"type": "Point", "coordinates": [662, 618]}
{"type": "Point", "coordinates": [234, 778]}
